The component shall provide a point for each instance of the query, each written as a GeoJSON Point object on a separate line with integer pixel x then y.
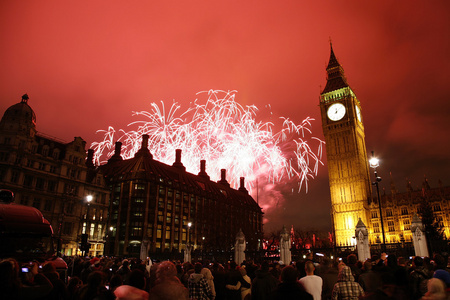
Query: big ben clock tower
{"type": "Point", "coordinates": [348, 167]}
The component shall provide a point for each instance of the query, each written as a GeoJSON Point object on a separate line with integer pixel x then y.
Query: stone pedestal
{"type": "Point", "coordinates": [285, 247]}
{"type": "Point", "coordinates": [187, 253]}
{"type": "Point", "coordinates": [419, 238]}
{"type": "Point", "coordinates": [145, 246]}
{"type": "Point", "coordinates": [239, 248]}
{"type": "Point", "coordinates": [362, 241]}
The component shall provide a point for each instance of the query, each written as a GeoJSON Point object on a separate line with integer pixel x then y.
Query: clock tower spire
{"type": "Point", "coordinates": [348, 167]}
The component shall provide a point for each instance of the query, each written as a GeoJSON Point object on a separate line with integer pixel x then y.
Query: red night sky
{"type": "Point", "coordinates": [88, 64]}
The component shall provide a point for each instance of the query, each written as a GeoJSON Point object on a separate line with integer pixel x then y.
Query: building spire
{"type": "Point", "coordinates": [335, 74]}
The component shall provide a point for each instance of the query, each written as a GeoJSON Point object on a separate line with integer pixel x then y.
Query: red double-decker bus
{"type": "Point", "coordinates": [24, 232]}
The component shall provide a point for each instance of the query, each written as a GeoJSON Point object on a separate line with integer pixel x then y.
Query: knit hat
{"type": "Point", "coordinates": [442, 275]}
{"type": "Point", "coordinates": [95, 261]}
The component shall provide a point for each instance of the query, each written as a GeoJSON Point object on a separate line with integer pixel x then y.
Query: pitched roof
{"type": "Point", "coordinates": [335, 74]}
{"type": "Point", "coordinates": [144, 167]}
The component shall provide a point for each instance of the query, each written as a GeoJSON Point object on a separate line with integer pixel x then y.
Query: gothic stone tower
{"type": "Point", "coordinates": [348, 167]}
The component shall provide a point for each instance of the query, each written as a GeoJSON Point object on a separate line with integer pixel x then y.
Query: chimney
{"type": "Point", "coordinates": [117, 150]}
{"type": "Point", "coordinates": [144, 147]}
{"type": "Point", "coordinates": [90, 158]}
{"type": "Point", "coordinates": [223, 177]}
{"type": "Point", "coordinates": [202, 172]}
{"type": "Point", "coordinates": [178, 164]}
{"type": "Point", "coordinates": [242, 186]}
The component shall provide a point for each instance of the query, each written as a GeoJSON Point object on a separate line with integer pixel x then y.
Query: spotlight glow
{"type": "Point", "coordinates": [226, 135]}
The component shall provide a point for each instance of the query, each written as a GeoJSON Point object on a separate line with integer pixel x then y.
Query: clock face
{"type": "Point", "coordinates": [336, 111]}
{"type": "Point", "coordinates": [358, 112]}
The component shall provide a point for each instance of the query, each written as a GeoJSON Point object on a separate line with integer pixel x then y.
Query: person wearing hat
{"type": "Point", "coordinates": [95, 264]}
{"type": "Point", "coordinates": [435, 290]}
{"type": "Point", "coordinates": [445, 277]}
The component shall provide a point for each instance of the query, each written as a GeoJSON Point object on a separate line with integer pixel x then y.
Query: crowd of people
{"type": "Point", "coordinates": [381, 277]}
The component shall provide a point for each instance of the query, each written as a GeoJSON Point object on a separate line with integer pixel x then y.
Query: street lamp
{"type": "Point", "coordinates": [88, 199]}
{"type": "Point", "coordinates": [187, 251]}
{"type": "Point", "coordinates": [374, 163]}
{"type": "Point", "coordinates": [85, 235]}
{"type": "Point", "coordinates": [189, 229]}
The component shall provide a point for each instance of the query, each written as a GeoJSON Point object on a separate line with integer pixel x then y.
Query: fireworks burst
{"type": "Point", "coordinates": [226, 135]}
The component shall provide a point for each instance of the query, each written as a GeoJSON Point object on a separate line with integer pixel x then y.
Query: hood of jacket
{"type": "Point", "coordinates": [207, 274]}
{"type": "Point", "coordinates": [195, 278]}
{"type": "Point", "coordinates": [346, 274]}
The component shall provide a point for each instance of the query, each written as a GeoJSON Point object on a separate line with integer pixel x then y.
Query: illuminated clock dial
{"type": "Point", "coordinates": [358, 112]}
{"type": "Point", "coordinates": [336, 111]}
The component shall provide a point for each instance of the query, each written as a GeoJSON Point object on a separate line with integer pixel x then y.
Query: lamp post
{"type": "Point", "coordinates": [187, 252]}
{"type": "Point", "coordinates": [189, 229]}
{"type": "Point", "coordinates": [85, 235]}
{"type": "Point", "coordinates": [88, 199]}
{"type": "Point", "coordinates": [374, 163]}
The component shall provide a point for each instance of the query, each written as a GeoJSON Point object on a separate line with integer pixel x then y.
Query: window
{"type": "Point", "coordinates": [391, 225]}
{"type": "Point", "coordinates": [404, 210]}
{"type": "Point", "coordinates": [28, 181]}
{"type": "Point", "coordinates": [48, 205]}
{"type": "Point", "coordinates": [159, 232]}
{"type": "Point", "coordinates": [388, 212]}
{"type": "Point", "coordinates": [437, 207]}
{"type": "Point", "coordinates": [406, 224]}
{"type": "Point", "coordinates": [376, 228]}
{"type": "Point", "coordinates": [30, 163]}
{"type": "Point", "coordinates": [176, 234]}
{"type": "Point", "coordinates": [24, 200]}
{"type": "Point", "coordinates": [37, 203]}
{"type": "Point", "coordinates": [168, 232]}
{"type": "Point", "coordinates": [99, 231]}
{"type": "Point", "coordinates": [374, 215]}
{"type": "Point", "coordinates": [91, 232]}
{"type": "Point", "coordinates": [14, 177]}
{"type": "Point", "coordinates": [51, 186]}
{"type": "Point", "coordinates": [67, 228]}
{"type": "Point", "coordinates": [161, 203]}
{"type": "Point", "coordinates": [45, 150]}
{"type": "Point", "coordinates": [4, 156]}
{"type": "Point", "coordinates": [40, 183]}
{"type": "Point", "coordinates": [69, 207]}
{"type": "Point", "coordinates": [139, 200]}
{"type": "Point", "coordinates": [139, 186]}
{"type": "Point", "coordinates": [55, 154]}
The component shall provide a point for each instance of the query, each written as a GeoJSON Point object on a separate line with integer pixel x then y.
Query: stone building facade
{"type": "Point", "coordinates": [398, 210]}
{"type": "Point", "coordinates": [154, 203]}
{"type": "Point", "coordinates": [134, 201]}
{"type": "Point", "coordinates": [53, 176]}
